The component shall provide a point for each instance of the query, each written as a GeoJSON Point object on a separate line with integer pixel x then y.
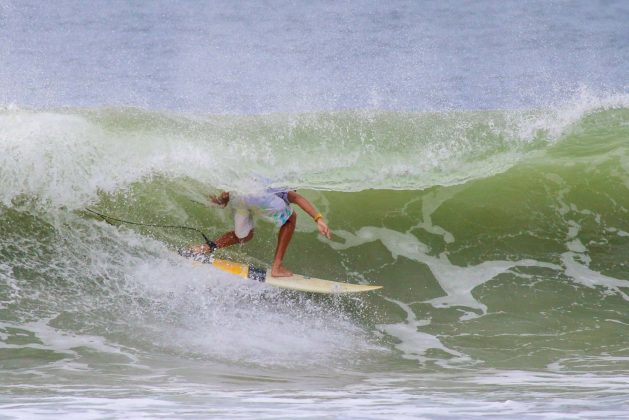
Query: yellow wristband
{"type": "Point", "coordinates": [317, 217]}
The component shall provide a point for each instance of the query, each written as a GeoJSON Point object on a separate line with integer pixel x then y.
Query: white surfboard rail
{"type": "Point", "coordinates": [295, 282]}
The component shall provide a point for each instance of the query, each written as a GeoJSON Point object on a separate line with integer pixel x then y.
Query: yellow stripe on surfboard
{"type": "Point", "coordinates": [294, 282]}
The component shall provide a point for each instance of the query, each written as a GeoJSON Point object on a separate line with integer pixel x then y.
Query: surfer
{"type": "Point", "coordinates": [273, 206]}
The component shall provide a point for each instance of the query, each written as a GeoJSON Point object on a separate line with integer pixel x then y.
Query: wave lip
{"type": "Point", "coordinates": [66, 157]}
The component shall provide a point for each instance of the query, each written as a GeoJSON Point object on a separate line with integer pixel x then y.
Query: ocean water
{"type": "Point", "coordinates": [472, 158]}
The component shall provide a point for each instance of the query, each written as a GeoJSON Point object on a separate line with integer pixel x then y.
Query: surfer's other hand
{"type": "Point", "coordinates": [220, 200]}
{"type": "Point", "coordinates": [324, 229]}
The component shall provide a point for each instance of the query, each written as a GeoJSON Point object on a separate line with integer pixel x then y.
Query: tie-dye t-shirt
{"type": "Point", "coordinates": [270, 206]}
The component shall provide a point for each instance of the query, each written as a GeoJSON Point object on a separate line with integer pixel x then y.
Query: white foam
{"type": "Point", "coordinates": [385, 395]}
{"type": "Point", "coordinates": [556, 120]}
{"type": "Point", "coordinates": [414, 343]}
{"type": "Point", "coordinates": [65, 159]}
{"type": "Point", "coordinates": [11, 290]}
{"type": "Point", "coordinates": [60, 341]}
{"type": "Point", "coordinates": [576, 260]}
{"type": "Point", "coordinates": [430, 203]}
{"type": "Point", "coordinates": [457, 282]}
{"type": "Point", "coordinates": [582, 274]}
{"type": "Point", "coordinates": [215, 315]}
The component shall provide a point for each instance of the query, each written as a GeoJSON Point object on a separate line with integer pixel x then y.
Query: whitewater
{"type": "Point", "coordinates": [490, 200]}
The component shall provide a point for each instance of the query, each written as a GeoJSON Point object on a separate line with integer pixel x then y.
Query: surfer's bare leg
{"type": "Point", "coordinates": [283, 239]}
{"type": "Point", "coordinates": [226, 240]}
{"type": "Point", "coordinates": [230, 239]}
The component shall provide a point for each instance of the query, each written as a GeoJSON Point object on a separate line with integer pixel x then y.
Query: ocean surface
{"type": "Point", "coordinates": [471, 157]}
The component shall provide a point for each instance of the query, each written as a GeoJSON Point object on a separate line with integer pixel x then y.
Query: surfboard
{"type": "Point", "coordinates": [295, 282]}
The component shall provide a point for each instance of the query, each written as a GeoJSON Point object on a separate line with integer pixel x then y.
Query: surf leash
{"type": "Point", "coordinates": [106, 218]}
{"type": "Point", "coordinates": [198, 202]}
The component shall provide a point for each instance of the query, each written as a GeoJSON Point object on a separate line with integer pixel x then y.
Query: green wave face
{"type": "Point", "coordinates": [501, 238]}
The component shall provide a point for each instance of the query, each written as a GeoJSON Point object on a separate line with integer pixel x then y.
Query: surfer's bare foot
{"type": "Point", "coordinates": [280, 271]}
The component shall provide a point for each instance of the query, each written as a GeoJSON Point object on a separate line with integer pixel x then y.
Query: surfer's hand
{"type": "Point", "coordinates": [220, 200]}
{"type": "Point", "coordinates": [324, 229]}
{"type": "Point", "coordinates": [200, 249]}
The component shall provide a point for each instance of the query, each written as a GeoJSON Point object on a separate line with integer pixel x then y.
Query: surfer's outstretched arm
{"type": "Point", "coordinates": [307, 206]}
